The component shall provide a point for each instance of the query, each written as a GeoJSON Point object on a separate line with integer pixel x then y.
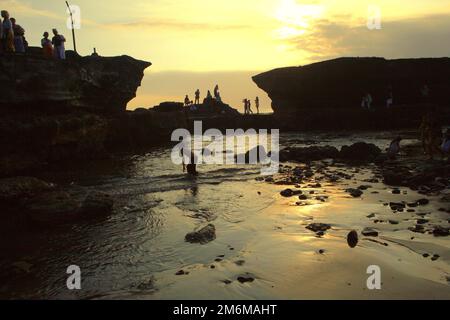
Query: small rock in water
{"type": "Point", "coordinates": [321, 251]}
{"type": "Point", "coordinates": [396, 206]}
{"type": "Point", "coordinates": [435, 257]}
{"type": "Point", "coordinates": [240, 262]}
{"type": "Point", "coordinates": [422, 221]}
{"type": "Point", "coordinates": [372, 215]}
{"type": "Point", "coordinates": [318, 227]}
{"type": "Point", "coordinates": [423, 202]}
{"type": "Point", "coordinates": [181, 273]}
{"type": "Point", "coordinates": [243, 279]}
{"type": "Point", "coordinates": [352, 239]}
{"type": "Point", "coordinates": [425, 255]}
{"type": "Point", "coordinates": [441, 231]}
{"type": "Point", "coordinates": [393, 222]}
{"type": "Point", "coordinates": [369, 232]}
{"type": "Point", "coordinates": [203, 236]}
{"type": "Point", "coordinates": [289, 193]}
{"type": "Point", "coordinates": [355, 193]}
{"type": "Point", "coordinates": [396, 191]}
{"type": "Point", "coordinates": [303, 197]}
{"type": "Point", "coordinates": [417, 228]}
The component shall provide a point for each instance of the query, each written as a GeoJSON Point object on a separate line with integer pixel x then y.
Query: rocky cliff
{"type": "Point", "coordinates": [40, 85]}
{"type": "Point", "coordinates": [341, 83]}
{"type": "Point", "coordinates": [72, 110]}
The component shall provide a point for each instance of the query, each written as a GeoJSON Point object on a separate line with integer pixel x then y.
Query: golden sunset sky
{"type": "Point", "coordinates": [198, 43]}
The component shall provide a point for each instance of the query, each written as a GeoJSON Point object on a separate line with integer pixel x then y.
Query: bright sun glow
{"type": "Point", "coordinates": [296, 17]}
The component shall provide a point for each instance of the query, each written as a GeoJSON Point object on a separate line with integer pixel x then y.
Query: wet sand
{"type": "Point", "coordinates": [262, 250]}
{"type": "Point", "coordinates": [285, 258]}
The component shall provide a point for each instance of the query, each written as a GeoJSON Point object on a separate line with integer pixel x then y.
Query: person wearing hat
{"type": "Point", "coordinates": [58, 44]}
{"type": "Point", "coordinates": [47, 47]}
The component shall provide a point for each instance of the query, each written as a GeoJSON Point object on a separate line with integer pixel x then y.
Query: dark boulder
{"type": "Point", "coordinates": [169, 107]}
{"type": "Point", "coordinates": [360, 152]}
{"type": "Point", "coordinates": [318, 227]}
{"type": "Point", "coordinates": [18, 189]}
{"type": "Point", "coordinates": [355, 193]}
{"type": "Point", "coordinates": [52, 207]}
{"type": "Point", "coordinates": [440, 231]}
{"type": "Point", "coordinates": [308, 154]}
{"type": "Point", "coordinates": [352, 239]}
{"type": "Point", "coordinates": [97, 203]}
{"type": "Point", "coordinates": [202, 236]}
{"type": "Point", "coordinates": [369, 232]}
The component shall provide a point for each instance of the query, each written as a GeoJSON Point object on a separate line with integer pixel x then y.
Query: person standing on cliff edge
{"type": "Point", "coordinates": [197, 97]}
{"type": "Point", "coordinates": [47, 47]}
{"type": "Point", "coordinates": [19, 36]}
{"type": "Point", "coordinates": [8, 33]}
{"type": "Point", "coordinates": [257, 105]}
{"type": "Point", "coordinates": [58, 42]}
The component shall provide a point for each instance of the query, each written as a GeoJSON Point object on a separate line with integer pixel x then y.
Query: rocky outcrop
{"type": "Point", "coordinates": [98, 84]}
{"type": "Point", "coordinates": [341, 83]}
{"type": "Point", "coordinates": [27, 141]}
{"type": "Point", "coordinates": [359, 152]}
{"type": "Point", "coordinates": [202, 236]}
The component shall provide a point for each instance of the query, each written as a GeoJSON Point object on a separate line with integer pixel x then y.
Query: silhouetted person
{"type": "Point", "coordinates": [257, 105]}
{"type": "Point", "coordinates": [47, 47]}
{"type": "Point", "coordinates": [209, 96]}
{"type": "Point", "coordinates": [1, 36]}
{"type": "Point", "coordinates": [8, 33]}
{"type": "Point", "coordinates": [431, 132]}
{"type": "Point", "coordinates": [394, 148]}
{"type": "Point", "coordinates": [197, 96]}
{"type": "Point", "coordinates": [94, 54]}
{"type": "Point", "coordinates": [250, 111]}
{"type": "Point", "coordinates": [245, 102]}
{"type": "Point", "coordinates": [216, 91]}
{"type": "Point", "coordinates": [389, 98]}
{"type": "Point", "coordinates": [446, 144]}
{"type": "Point", "coordinates": [58, 42]}
{"type": "Point", "coordinates": [19, 34]}
{"type": "Point", "coordinates": [187, 101]}
{"type": "Point", "coordinates": [191, 167]}
{"type": "Point", "coordinates": [425, 93]}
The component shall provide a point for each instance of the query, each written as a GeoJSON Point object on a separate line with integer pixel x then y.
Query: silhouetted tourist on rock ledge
{"type": "Point", "coordinates": [58, 42]}
{"type": "Point", "coordinates": [19, 37]}
{"type": "Point", "coordinates": [257, 105]}
{"type": "Point", "coordinates": [187, 101]}
{"type": "Point", "coordinates": [197, 97]}
{"type": "Point", "coordinates": [47, 47]}
{"type": "Point", "coordinates": [8, 33]}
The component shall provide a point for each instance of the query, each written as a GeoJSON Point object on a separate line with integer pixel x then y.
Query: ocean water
{"type": "Point", "coordinates": [137, 250]}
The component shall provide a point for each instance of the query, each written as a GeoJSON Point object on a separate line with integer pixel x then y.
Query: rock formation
{"type": "Point", "coordinates": [38, 84]}
{"type": "Point", "coordinates": [341, 83]}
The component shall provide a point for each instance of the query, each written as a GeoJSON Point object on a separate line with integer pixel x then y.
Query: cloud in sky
{"type": "Point", "coordinates": [417, 37]}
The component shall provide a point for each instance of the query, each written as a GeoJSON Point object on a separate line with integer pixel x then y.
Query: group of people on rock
{"type": "Point", "coordinates": [188, 102]}
{"type": "Point", "coordinates": [367, 99]}
{"type": "Point", "coordinates": [12, 35]}
{"type": "Point", "coordinates": [12, 39]}
{"type": "Point", "coordinates": [433, 141]}
{"type": "Point", "coordinates": [248, 106]}
{"type": "Point", "coordinates": [54, 48]}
